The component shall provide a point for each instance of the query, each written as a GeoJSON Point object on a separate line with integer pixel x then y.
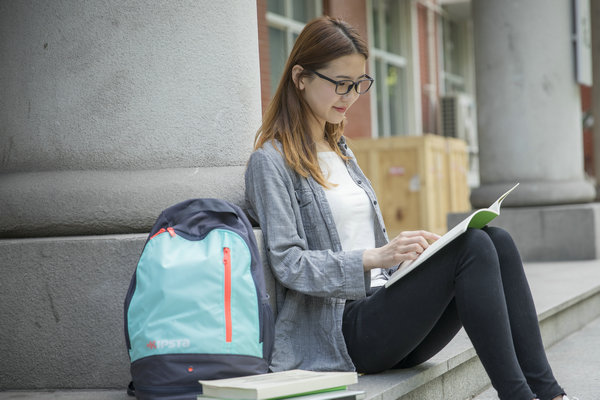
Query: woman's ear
{"type": "Point", "coordinates": [296, 76]}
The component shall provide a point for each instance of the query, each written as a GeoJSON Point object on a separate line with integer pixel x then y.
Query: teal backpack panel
{"type": "Point", "coordinates": [192, 278]}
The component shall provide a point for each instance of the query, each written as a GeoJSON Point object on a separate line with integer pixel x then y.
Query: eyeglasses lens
{"type": "Point", "coordinates": [343, 87]}
{"type": "Point", "coordinates": [362, 86]}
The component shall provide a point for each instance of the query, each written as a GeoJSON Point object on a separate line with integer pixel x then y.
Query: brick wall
{"type": "Point", "coordinates": [355, 13]}
{"type": "Point", "coordinates": [588, 134]}
{"type": "Point", "coordinates": [429, 96]}
{"type": "Point", "coordinates": [263, 51]}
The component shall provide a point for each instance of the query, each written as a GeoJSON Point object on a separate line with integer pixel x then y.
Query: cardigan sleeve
{"type": "Point", "coordinates": [272, 203]}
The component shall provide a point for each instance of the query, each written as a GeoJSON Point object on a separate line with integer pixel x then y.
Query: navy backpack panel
{"type": "Point", "coordinates": [197, 306]}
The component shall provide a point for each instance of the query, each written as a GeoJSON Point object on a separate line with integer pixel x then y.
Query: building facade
{"type": "Point", "coordinates": [422, 56]}
{"type": "Point", "coordinates": [421, 51]}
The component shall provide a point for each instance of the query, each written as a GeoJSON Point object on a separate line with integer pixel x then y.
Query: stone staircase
{"type": "Point", "coordinates": [61, 307]}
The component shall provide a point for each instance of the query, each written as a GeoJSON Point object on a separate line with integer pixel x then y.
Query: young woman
{"type": "Point", "coordinates": [328, 248]}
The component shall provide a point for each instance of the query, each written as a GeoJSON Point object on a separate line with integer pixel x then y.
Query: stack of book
{"type": "Point", "coordinates": [296, 384]}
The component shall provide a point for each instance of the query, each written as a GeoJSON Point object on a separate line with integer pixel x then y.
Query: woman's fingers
{"type": "Point", "coordinates": [404, 240]}
{"type": "Point", "coordinates": [417, 248]}
{"type": "Point", "coordinates": [423, 237]}
{"type": "Point", "coordinates": [407, 245]}
{"type": "Point", "coordinates": [425, 234]}
{"type": "Point", "coordinates": [407, 256]}
{"type": "Point", "coordinates": [410, 244]}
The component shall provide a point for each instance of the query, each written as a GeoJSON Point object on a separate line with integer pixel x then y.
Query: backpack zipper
{"type": "Point", "coordinates": [163, 230]}
{"type": "Point", "coordinates": [227, 274]}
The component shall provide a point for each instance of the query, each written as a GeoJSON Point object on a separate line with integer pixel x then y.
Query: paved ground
{"type": "Point", "coordinates": [576, 364]}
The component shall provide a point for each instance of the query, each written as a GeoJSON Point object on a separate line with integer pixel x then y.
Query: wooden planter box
{"type": "Point", "coordinates": [418, 179]}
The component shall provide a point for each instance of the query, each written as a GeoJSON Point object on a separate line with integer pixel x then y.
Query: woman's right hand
{"type": "Point", "coordinates": [407, 245]}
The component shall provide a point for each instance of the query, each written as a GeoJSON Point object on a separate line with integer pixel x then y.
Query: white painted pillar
{"type": "Point", "coordinates": [111, 111]}
{"type": "Point", "coordinates": [528, 104]}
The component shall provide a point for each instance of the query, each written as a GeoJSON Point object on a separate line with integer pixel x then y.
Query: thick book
{"type": "Point", "coordinates": [277, 384]}
{"type": "Point", "coordinates": [478, 219]}
{"type": "Point", "coordinates": [342, 394]}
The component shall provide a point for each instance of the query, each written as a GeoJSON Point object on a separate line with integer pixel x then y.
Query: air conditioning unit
{"type": "Point", "coordinates": [459, 120]}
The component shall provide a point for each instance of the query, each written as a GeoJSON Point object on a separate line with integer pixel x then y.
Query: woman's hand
{"type": "Point", "coordinates": [407, 245]}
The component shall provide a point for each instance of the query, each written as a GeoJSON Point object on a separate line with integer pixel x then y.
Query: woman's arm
{"type": "Point", "coordinates": [271, 196]}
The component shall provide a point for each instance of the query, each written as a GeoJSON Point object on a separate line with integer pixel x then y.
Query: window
{"type": "Point", "coordinates": [394, 102]}
{"type": "Point", "coordinates": [459, 118]}
{"type": "Point", "coordinates": [457, 52]}
{"type": "Point", "coordinates": [286, 18]}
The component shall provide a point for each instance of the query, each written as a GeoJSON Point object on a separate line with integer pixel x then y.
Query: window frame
{"type": "Point", "coordinates": [407, 19]}
{"type": "Point", "coordinates": [466, 57]}
{"type": "Point", "coordinates": [289, 26]}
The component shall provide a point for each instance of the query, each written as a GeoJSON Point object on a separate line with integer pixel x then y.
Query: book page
{"type": "Point", "coordinates": [344, 394]}
{"type": "Point", "coordinates": [496, 206]}
{"type": "Point", "coordinates": [278, 384]}
{"type": "Point", "coordinates": [279, 378]}
{"type": "Point", "coordinates": [481, 218]}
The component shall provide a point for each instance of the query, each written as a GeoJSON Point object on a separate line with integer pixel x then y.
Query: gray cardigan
{"type": "Point", "coordinates": [314, 275]}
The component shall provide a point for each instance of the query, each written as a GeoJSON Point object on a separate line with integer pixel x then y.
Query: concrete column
{"type": "Point", "coordinates": [111, 111]}
{"type": "Point", "coordinates": [529, 118]}
{"type": "Point", "coordinates": [595, 23]}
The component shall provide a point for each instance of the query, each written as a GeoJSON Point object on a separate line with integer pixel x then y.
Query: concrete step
{"type": "Point", "coordinates": [574, 362]}
{"type": "Point", "coordinates": [567, 296]}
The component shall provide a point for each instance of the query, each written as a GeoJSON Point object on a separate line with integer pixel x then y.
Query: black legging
{"type": "Point", "coordinates": [478, 282]}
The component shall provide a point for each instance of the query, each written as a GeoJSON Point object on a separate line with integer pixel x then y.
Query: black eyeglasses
{"type": "Point", "coordinates": [345, 85]}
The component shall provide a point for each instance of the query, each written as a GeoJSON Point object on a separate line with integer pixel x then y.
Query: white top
{"type": "Point", "coordinates": [352, 210]}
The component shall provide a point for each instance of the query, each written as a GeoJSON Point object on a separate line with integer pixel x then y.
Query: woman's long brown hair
{"type": "Point", "coordinates": [287, 116]}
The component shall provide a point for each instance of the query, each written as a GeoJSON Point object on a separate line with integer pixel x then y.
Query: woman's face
{"type": "Point", "coordinates": [320, 94]}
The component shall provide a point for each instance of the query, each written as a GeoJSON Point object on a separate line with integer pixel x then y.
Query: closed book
{"type": "Point", "coordinates": [277, 385]}
{"type": "Point", "coordinates": [342, 394]}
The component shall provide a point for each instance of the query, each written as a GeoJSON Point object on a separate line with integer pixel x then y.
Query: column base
{"type": "Point", "coordinates": [66, 203]}
{"type": "Point", "coordinates": [62, 311]}
{"type": "Point", "coordinates": [535, 193]}
{"type": "Point", "coordinates": [550, 233]}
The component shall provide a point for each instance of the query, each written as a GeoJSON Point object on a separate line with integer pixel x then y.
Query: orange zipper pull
{"type": "Point", "coordinates": [171, 231]}
{"type": "Point", "coordinates": [162, 230]}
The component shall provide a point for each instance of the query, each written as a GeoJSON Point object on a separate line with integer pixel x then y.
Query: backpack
{"type": "Point", "coordinates": [197, 306]}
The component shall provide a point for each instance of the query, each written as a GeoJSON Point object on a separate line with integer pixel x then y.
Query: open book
{"type": "Point", "coordinates": [278, 384]}
{"type": "Point", "coordinates": [477, 219]}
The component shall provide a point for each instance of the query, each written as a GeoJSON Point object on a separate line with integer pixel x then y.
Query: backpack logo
{"type": "Point", "coordinates": [168, 344]}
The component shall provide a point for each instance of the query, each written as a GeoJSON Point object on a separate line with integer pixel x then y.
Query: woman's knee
{"type": "Point", "coordinates": [477, 254]}
{"type": "Point", "coordinates": [497, 233]}
{"type": "Point", "coordinates": [478, 239]}
{"type": "Point", "coordinates": [502, 240]}
{"type": "Point", "coordinates": [477, 243]}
